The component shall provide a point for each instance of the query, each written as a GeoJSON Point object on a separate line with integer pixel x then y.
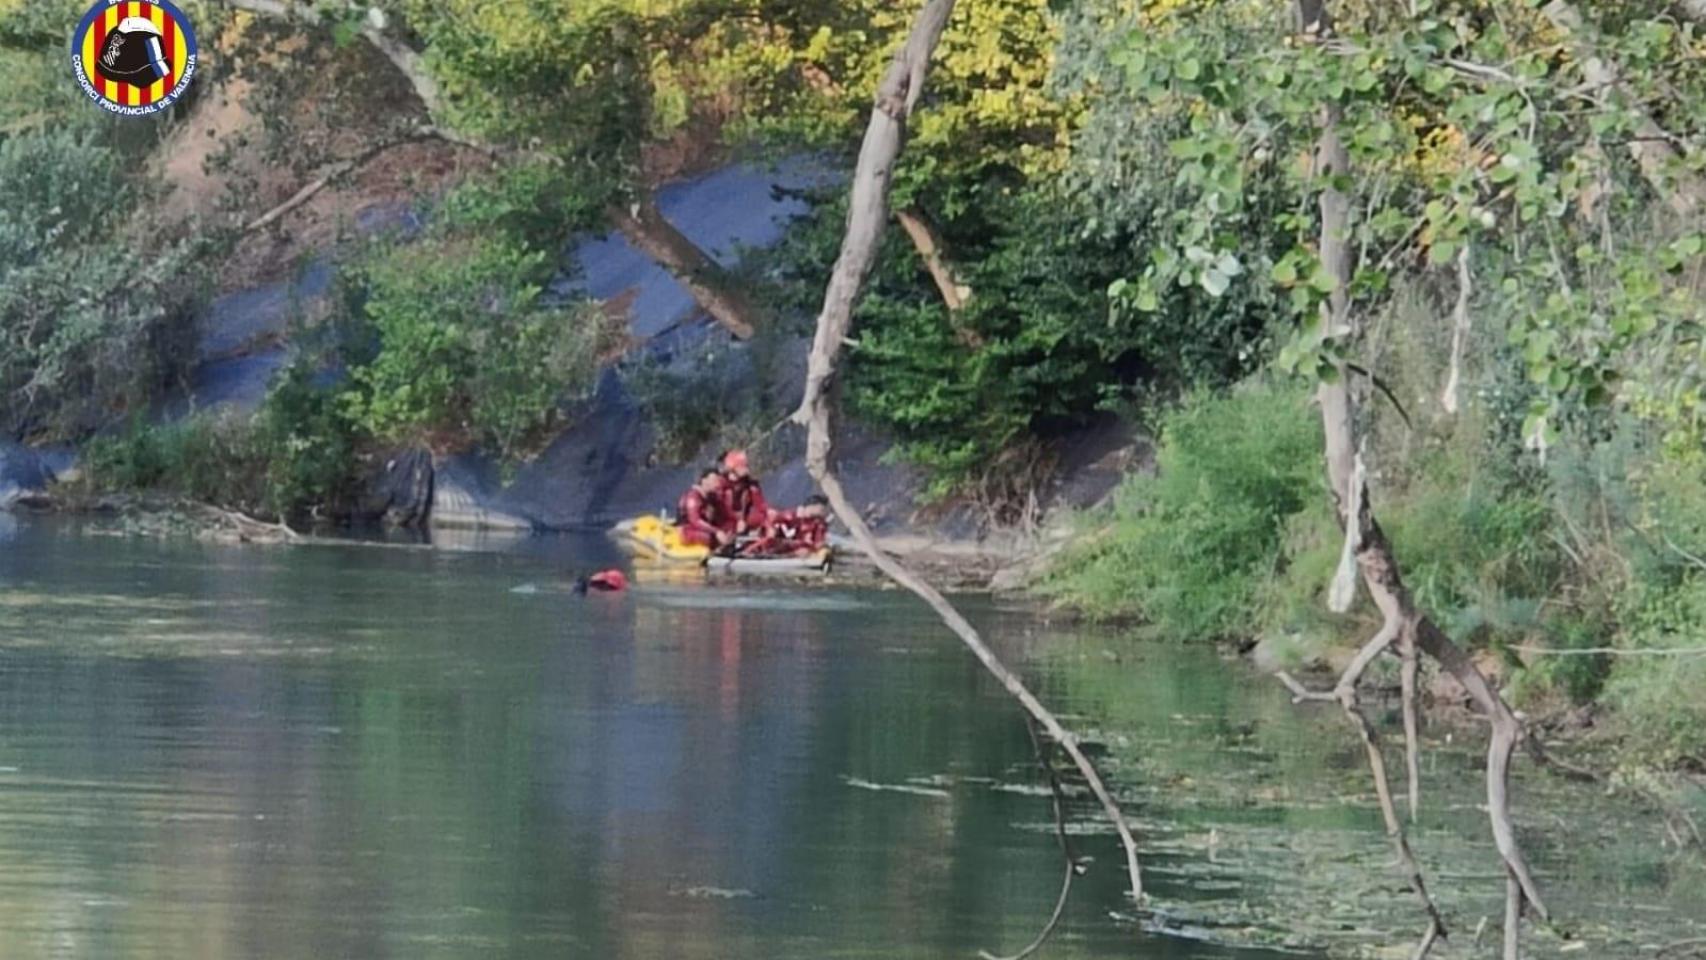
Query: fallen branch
{"type": "Point", "coordinates": [1345, 693]}
{"type": "Point", "coordinates": [929, 246]}
{"type": "Point", "coordinates": [344, 168]}
{"type": "Point", "coordinates": [1058, 802]}
{"type": "Point", "coordinates": [1407, 675]}
{"type": "Point", "coordinates": [1612, 651]}
{"type": "Point", "coordinates": [247, 527]}
{"type": "Point", "coordinates": [867, 214]}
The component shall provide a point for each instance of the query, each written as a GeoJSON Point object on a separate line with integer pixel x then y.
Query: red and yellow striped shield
{"type": "Point", "coordinates": [134, 57]}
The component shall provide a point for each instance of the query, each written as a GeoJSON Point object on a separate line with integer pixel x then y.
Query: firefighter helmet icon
{"type": "Point", "coordinates": [132, 53]}
{"type": "Point", "coordinates": [134, 58]}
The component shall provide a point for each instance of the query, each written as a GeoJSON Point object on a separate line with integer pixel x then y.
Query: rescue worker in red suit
{"type": "Point", "coordinates": [800, 532]}
{"type": "Point", "coordinates": [702, 515]}
{"type": "Point", "coordinates": [743, 499]}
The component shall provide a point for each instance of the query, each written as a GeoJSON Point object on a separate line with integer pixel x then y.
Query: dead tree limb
{"type": "Point", "coordinates": [646, 227]}
{"type": "Point", "coordinates": [1407, 675]}
{"type": "Point", "coordinates": [1345, 693]}
{"type": "Point", "coordinates": [344, 168]}
{"type": "Point", "coordinates": [1395, 833]}
{"type": "Point", "coordinates": [955, 294]}
{"type": "Point", "coordinates": [1057, 802]}
{"type": "Point", "coordinates": [1459, 332]}
{"type": "Point", "coordinates": [867, 213]}
{"type": "Point", "coordinates": [1374, 554]}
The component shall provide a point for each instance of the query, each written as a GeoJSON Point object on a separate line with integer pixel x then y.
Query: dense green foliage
{"type": "Point", "coordinates": [298, 454]}
{"type": "Point", "coordinates": [94, 316]}
{"type": "Point", "coordinates": [1125, 195]}
{"type": "Point", "coordinates": [465, 346]}
{"type": "Point", "coordinates": [1568, 222]}
{"type": "Point", "coordinates": [1189, 547]}
{"type": "Point", "coordinates": [1039, 347]}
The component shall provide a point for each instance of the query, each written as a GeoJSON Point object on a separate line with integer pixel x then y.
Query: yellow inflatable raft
{"type": "Point", "coordinates": [655, 539]}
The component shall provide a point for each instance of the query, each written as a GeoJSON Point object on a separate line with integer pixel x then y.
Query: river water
{"type": "Point", "coordinates": [379, 752]}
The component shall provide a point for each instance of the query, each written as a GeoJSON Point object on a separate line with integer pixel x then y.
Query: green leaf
{"type": "Point", "coordinates": [1146, 299]}
{"type": "Point", "coordinates": [1215, 282]}
{"type": "Point", "coordinates": [1284, 272]}
{"type": "Point", "coordinates": [1322, 279]}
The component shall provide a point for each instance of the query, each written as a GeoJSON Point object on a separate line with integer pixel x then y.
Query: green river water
{"type": "Point", "coordinates": [352, 751]}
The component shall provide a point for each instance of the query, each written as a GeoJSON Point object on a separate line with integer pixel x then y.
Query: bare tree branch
{"type": "Point", "coordinates": [867, 213]}
{"type": "Point", "coordinates": [1379, 567]}
{"type": "Point", "coordinates": [1057, 801]}
{"type": "Point", "coordinates": [344, 168]}
{"type": "Point", "coordinates": [928, 243]}
{"type": "Point", "coordinates": [646, 227]}
{"type": "Point", "coordinates": [1459, 332]}
{"type": "Point", "coordinates": [1412, 737]}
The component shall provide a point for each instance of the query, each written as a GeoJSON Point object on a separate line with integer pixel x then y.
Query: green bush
{"type": "Point", "coordinates": [1657, 696]}
{"type": "Point", "coordinates": [696, 400]}
{"type": "Point", "coordinates": [1189, 548]}
{"type": "Point", "coordinates": [91, 320]}
{"type": "Point", "coordinates": [465, 347]}
{"type": "Point", "coordinates": [298, 451]}
{"type": "Point", "coordinates": [212, 459]}
{"type": "Point", "coordinates": [1040, 345]}
{"type": "Point", "coordinates": [310, 445]}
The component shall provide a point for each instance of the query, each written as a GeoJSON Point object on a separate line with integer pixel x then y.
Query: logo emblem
{"type": "Point", "coordinates": [133, 57]}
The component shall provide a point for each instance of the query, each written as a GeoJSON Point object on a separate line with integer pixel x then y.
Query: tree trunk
{"type": "Point", "coordinates": [650, 231]}
{"type": "Point", "coordinates": [867, 213]}
{"type": "Point", "coordinates": [1379, 566]}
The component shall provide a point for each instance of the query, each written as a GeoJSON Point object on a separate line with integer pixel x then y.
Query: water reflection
{"type": "Point", "coordinates": [373, 752]}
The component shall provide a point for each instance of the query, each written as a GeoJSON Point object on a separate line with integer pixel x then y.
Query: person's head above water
{"type": "Point", "coordinates": [816, 505]}
{"type": "Point", "coordinates": [734, 463]}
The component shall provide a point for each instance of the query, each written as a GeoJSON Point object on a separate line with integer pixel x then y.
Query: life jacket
{"type": "Point", "coordinates": [789, 526]}
{"type": "Point", "coordinates": [696, 510]}
{"type": "Point", "coordinates": [744, 498]}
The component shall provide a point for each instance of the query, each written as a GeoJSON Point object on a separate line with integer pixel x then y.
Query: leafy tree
{"type": "Point", "coordinates": [91, 306]}
{"type": "Point", "coordinates": [1468, 132]}
{"type": "Point", "coordinates": [466, 346]}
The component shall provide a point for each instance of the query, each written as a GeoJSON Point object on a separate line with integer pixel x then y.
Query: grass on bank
{"type": "Point", "coordinates": [1232, 539]}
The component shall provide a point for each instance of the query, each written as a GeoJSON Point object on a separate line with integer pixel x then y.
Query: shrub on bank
{"type": "Point", "coordinates": [1656, 687]}
{"type": "Point", "coordinates": [296, 453]}
{"type": "Point", "coordinates": [465, 346]}
{"type": "Point", "coordinates": [213, 459]}
{"type": "Point", "coordinates": [1189, 548]}
{"type": "Point", "coordinates": [92, 319]}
